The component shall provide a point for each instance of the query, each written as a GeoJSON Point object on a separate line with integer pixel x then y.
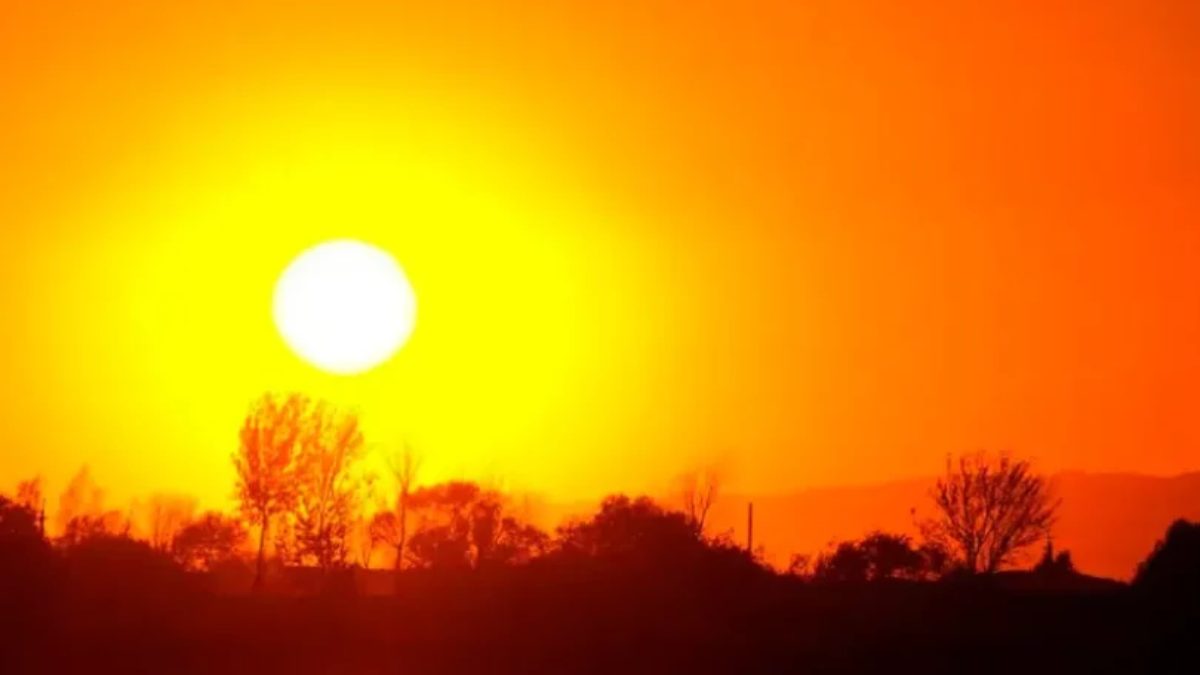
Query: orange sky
{"type": "Point", "coordinates": [823, 242]}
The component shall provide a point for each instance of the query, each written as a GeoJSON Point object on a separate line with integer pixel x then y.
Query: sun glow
{"type": "Point", "coordinates": [344, 306]}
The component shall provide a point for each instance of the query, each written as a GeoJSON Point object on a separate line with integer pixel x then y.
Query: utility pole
{"type": "Point", "coordinates": [750, 528]}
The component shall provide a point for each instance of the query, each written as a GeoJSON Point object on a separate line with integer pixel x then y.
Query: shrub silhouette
{"type": "Point", "coordinates": [211, 540]}
{"type": "Point", "coordinates": [878, 556]}
{"type": "Point", "coordinates": [639, 536]}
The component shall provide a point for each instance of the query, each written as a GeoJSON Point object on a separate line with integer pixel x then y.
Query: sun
{"type": "Point", "coordinates": [344, 306]}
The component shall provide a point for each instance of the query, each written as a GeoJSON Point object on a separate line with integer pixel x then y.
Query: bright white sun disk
{"type": "Point", "coordinates": [345, 306]}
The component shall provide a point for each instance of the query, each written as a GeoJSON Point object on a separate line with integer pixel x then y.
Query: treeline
{"type": "Point", "coordinates": [471, 586]}
{"type": "Point", "coordinates": [635, 587]}
{"type": "Point", "coordinates": [306, 500]}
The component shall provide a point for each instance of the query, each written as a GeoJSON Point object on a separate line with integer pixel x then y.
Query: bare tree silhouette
{"type": "Point", "coordinates": [163, 516]}
{"type": "Point", "coordinates": [327, 485]}
{"type": "Point", "coordinates": [404, 466]}
{"type": "Point", "coordinates": [363, 541]}
{"type": "Point", "coordinates": [384, 528]}
{"type": "Point", "coordinates": [265, 463]}
{"type": "Point", "coordinates": [989, 509]}
{"type": "Point", "coordinates": [698, 490]}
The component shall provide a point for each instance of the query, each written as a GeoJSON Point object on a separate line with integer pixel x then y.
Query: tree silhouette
{"type": "Point", "coordinates": [81, 498]}
{"type": "Point", "coordinates": [443, 535]}
{"type": "Point", "coordinates": [84, 527]}
{"type": "Point", "coordinates": [989, 509]}
{"type": "Point", "coordinates": [364, 543]}
{"type": "Point", "coordinates": [404, 470]}
{"type": "Point", "coordinates": [638, 536]}
{"type": "Point", "coordinates": [698, 491]}
{"type": "Point", "coordinates": [265, 465]}
{"type": "Point", "coordinates": [18, 522]}
{"type": "Point", "coordinates": [847, 562]}
{"type": "Point", "coordinates": [327, 488]}
{"type": "Point", "coordinates": [384, 528]}
{"type": "Point", "coordinates": [892, 556]}
{"type": "Point", "coordinates": [800, 565]}
{"type": "Point", "coordinates": [29, 494]}
{"type": "Point", "coordinates": [391, 526]}
{"type": "Point", "coordinates": [463, 526]}
{"type": "Point", "coordinates": [936, 559]}
{"type": "Point", "coordinates": [500, 539]}
{"type": "Point", "coordinates": [164, 516]}
{"type": "Point", "coordinates": [27, 570]}
{"type": "Point", "coordinates": [631, 529]}
{"type": "Point", "coordinates": [1173, 568]}
{"type": "Point", "coordinates": [208, 541]}
{"type": "Point", "coordinates": [326, 485]}
{"type": "Point", "coordinates": [875, 557]}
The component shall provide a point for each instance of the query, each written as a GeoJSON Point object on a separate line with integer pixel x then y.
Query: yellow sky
{"type": "Point", "coordinates": [823, 242]}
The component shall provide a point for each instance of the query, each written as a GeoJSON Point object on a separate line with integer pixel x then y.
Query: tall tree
{"type": "Point", "coordinates": [990, 508]}
{"type": "Point", "coordinates": [265, 463]}
{"type": "Point", "coordinates": [327, 485]}
{"type": "Point", "coordinates": [404, 466]}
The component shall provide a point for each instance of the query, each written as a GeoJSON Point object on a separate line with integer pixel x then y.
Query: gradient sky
{"type": "Point", "coordinates": [820, 242]}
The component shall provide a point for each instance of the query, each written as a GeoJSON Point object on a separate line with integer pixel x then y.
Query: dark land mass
{"type": "Point", "coordinates": [557, 620]}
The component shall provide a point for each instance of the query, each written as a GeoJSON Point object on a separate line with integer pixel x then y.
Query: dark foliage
{"type": "Point", "coordinates": [208, 542]}
{"type": "Point", "coordinates": [1172, 571]}
{"type": "Point", "coordinates": [462, 526]}
{"type": "Point", "coordinates": [633, 589]}
{"type": "Point", "coordinates": [877, 557]}
{"type": "Point", "coordinates": [637, 536]}
{"type": "Point", "coordinates": [26, 560]}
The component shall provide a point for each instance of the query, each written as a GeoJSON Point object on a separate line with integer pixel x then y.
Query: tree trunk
{"type": "Point", "coordinates": [259, 569]}
{"type": "Point", "coordinates": [399, 564]}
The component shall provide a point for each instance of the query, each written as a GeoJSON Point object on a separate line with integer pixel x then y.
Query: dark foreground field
{"type": "Point", "coordinates": [532, 622]}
